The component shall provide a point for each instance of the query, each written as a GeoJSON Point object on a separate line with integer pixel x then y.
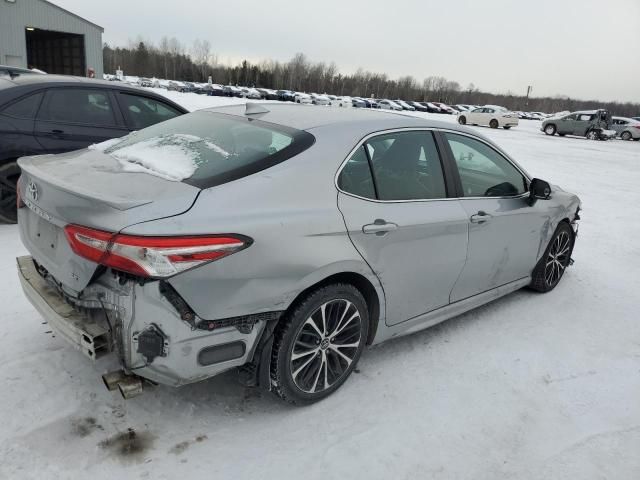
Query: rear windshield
{"type": "Point", "coordinates": [205, 149]}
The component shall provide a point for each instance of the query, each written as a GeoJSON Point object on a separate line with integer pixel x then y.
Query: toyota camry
{"type": "Point", "coordinates": [280, 240]}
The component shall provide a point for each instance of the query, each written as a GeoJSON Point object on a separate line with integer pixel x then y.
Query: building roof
{"type": "Point", "coordinates": [73, 14]}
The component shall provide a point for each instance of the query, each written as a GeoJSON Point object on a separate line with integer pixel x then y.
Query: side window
{"type": "Point", "coordinates": [75, 105]}
{"type": "Point", "coordinates": [25, 107]}
{"type": "Point", "coordinates": [355, 177]}
{"type": "Point", "coordinates": [483, 171]}
{"type": "Point", "coordinates": [585, 117]}
{"type": "Point", "coordinates": [143, 112]}
{"type": "Point", "coordinates": [406, 166]}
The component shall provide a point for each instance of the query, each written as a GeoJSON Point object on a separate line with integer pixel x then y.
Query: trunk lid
{"type": "Point", "coordinates": [89, 188]}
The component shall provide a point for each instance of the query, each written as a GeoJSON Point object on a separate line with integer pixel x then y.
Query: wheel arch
{"type": "Point", "coordinates": [359, 281]}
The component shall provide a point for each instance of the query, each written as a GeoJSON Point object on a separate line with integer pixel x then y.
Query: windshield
{"type": "Point", "coordinates": [205, 148]}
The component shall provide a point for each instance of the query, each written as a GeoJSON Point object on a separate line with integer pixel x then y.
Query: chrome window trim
{"type": "Point", "coordinates": [426, 129]}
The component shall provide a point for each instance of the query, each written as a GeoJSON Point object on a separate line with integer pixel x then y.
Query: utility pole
{"type": "Point", "coordinates": [529, 90]}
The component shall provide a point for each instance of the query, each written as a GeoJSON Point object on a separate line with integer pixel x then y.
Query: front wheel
{"type": "Point", "coordinates": [9, 174]}
{"type": "Point", "coordinates": [550, 129]}
{"type": "Point", "coordinates": [507, 127]}
{"type": "Point", "coordinates": [462, 120]}
{"type": "Point", "coordinates": [555, 260]}
{"type": "Point", "coordinates": [493, 123]}
{"type": "Point", "coordinates": [318, 344]}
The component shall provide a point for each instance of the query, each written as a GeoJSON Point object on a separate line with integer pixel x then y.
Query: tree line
{"type": "Point", "coordinates": [172, 60]}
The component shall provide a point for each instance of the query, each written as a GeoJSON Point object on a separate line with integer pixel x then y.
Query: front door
{"type": "Point", "coordinates": [74, 118]}
{"type": "Point", "coordinates": [395, 206]}
{"type": "Point", "coordinates": [503, 228]}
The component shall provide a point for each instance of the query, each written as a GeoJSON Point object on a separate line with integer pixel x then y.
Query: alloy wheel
{"type": "Point", "coordinates": [557, 259]}
{"type": "Point", "coordinates": [325, 346]}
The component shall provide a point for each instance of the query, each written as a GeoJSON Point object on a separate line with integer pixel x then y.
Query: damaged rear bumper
{"type": "Point", "coordinates": [145, 326]}
{"type": "Point", "coordinates": [81, 331]}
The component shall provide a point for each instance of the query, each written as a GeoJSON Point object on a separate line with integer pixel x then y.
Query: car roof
{"type": "Point", "coordinates": [26, 83]}
{"type": "Point", "coordinates": [62, 79]}
{"type": "Point", "coordinates": [306, 117]}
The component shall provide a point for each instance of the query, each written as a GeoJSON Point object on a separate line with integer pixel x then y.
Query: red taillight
{"type": "Point", "coordinates": [154, 257]}
{"type": "Point", "coordinates": [637, 126]}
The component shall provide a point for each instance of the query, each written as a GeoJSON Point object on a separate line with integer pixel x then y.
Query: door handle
{"type": "Point", "coordinates": [480, 217]}
{"type": "Point", "coordinates": [379, 227]}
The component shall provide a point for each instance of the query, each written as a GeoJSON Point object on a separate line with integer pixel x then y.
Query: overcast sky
{"type": "Point", "coordinates": [588, 49]}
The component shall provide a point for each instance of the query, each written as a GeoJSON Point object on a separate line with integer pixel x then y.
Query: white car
{"type": "Point", "coordinates": [252, 93]}
{"type": "Point", "coordinates": [317, 99]}
{"type": "Point", "coordinates": [302, 98]}
{"type": "Point", "coordinates": [490, 115]}
{"type": "Point", "coordinates": [626, 128]}
{"type": "Point", "coordinates": [341, 101]}
{"type": "Point", "coordinates": [389, 105]}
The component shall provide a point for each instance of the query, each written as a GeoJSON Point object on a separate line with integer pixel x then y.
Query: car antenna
{"type": "Point", "coordinates": [254, 109]}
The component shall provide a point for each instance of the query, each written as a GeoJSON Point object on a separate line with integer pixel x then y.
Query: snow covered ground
{"type": "Point", "coordinates": [529, 387]}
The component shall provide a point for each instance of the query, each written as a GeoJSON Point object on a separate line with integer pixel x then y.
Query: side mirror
{"type": "Point", "coordinates": [538, 190]}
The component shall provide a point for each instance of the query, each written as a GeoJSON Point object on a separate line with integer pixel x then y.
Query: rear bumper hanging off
{"type": "Point", "coordinates": [81, 331]}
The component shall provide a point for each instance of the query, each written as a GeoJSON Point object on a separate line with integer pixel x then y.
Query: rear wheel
{"type": "Point", "coordinates": [9, 173]}
{"type": "Point", "coordinates": [555, 260]}
{"type": "Point", "coordinates": [550, 129]}
{"type": "Point", "coordinates": [462, 120]}
{"type": "Point", "coordinates": [626, 136]}
{"type": "Point", "coordinates": [493, 123]}
{"type": "Point", "coordinates": [318, 344]}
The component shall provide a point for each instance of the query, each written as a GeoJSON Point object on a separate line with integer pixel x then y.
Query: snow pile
{"type": "Point", "coordinates": [172, 157]}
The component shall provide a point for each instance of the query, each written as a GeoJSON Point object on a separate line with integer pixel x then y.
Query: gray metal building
{"type": "Point", "coordinates": [40, 34]}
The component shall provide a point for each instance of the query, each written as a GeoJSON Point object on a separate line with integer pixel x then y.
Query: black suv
{"type": "Point", "coordinates": [54, 114]}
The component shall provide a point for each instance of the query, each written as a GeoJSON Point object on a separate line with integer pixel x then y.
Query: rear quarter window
{"type": "Point", "coordinates": [25, 107]}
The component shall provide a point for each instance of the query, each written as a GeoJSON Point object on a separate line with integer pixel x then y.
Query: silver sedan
{"type": "Point", "coordinates": [279, 239]}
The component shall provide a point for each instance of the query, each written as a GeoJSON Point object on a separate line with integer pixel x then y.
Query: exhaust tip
{"type": "Point", "coordinates": [111, 379]}
{"type": "Point", "coordinates": [130, 386]}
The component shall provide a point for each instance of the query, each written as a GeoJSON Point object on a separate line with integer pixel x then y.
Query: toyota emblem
{"type": "Point", "coordinates": [32, 190]}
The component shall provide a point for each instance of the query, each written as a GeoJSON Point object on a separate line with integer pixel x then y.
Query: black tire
{"type": "Point", "coordinates": [550, 129]}
{"type": "Point", "coordinates": [592, 135]}
{"type": "Point", "coordinates": [9, 174]}
{"type": "Point", "coordinates": [562, 134]}
{"type": "Point", "coordinates": [625, 136]}
{"type": "Point", "coordinates": [300, 328]}
{"type": "Point", "coordinates": [462, 120]}
{"type": "Point", "coordinates": [493, 123]}
{"type": "Point", "coordinates": [551, 267]}
{"type": "Point", "coordinates": [507, 127]}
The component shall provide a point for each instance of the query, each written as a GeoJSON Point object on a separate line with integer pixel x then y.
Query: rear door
{"type": "Point", "coordinates": [504, 231]}
{"type": "Point", "coordinates": [582, 124]}
{"type": "Point", "coordinates": [71, 118]}
{"type": "Point", "coordinates": [393, 197]}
